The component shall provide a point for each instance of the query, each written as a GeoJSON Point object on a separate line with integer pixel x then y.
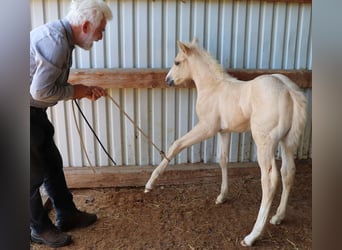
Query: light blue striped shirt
{"type": "Point", "coordinates": [51, 47]}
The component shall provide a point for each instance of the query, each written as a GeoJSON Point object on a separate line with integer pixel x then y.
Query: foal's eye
{"type": "Point", "coordinates": [177, 63]}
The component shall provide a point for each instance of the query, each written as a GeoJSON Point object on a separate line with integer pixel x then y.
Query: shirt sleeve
{"type": "Point", "coordinates": [49, 83]}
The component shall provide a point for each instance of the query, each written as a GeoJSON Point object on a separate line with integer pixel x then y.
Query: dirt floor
{"type": "Point", "coordinates": [186, 217]}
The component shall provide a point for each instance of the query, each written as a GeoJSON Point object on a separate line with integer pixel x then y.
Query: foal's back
{"type": "Point", "coordinates": [272, 105]}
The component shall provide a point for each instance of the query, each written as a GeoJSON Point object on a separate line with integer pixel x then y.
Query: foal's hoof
{"type": "Point", "coordinates": [276, 220]}
{"type": "Point", "coordinates": [247, 241]}
{"type": "Point", "coordinates": [220, 200]}
{"type": "Point", "coordinates": [244, 244]}
{"type": "Point", "coordinates": [147, 190]}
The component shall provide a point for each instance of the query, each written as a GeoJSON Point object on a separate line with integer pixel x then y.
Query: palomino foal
{"type": "Point", "coordinates": [272, 107]}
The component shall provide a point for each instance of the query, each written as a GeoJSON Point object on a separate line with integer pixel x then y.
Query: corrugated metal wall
{"type": "Point", "coordinates": [143, 34]}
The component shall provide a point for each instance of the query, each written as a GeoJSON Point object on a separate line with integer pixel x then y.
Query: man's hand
{"type": "Point", "coordinates": [92, 93]}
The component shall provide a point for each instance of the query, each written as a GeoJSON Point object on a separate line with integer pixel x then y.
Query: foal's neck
{"type": "Point", "coordinates": [207, 76]}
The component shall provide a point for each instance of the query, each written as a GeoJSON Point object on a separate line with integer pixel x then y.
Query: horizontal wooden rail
{"type": "Point", "coordinates": [155, 78]}
{"type": "Point", "coordinates": [272, 1]}
{"type": "Point", "coordinates": [133, 176]}
{"type": "Point", "coordinates": [287, 1]}
{"type": "Point", "coordinates": [137, 176]}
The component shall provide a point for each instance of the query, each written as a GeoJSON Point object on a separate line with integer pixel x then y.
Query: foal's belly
{"type": "Point", "coordinates": [236, 126]}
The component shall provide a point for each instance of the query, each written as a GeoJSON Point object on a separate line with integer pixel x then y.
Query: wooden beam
{"type": "Point", "coordinates": [272, 1]}
{"type": "Point", "coordinates": [136, 176]}
{"type": "Point", "coordinates": [155, 78]}
{"type": "Point", "coordinates": [288, 1]}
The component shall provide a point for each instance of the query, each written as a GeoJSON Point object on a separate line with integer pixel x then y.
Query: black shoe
{"type": "Point", "coordinates": [51, 237]}
{"type": "Point", "coordinates": [78, 219]}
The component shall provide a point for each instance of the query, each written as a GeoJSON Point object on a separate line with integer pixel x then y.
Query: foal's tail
{"type": "Point", "coordinates": [299, 112]}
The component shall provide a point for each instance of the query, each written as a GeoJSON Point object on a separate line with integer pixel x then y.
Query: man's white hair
{"type": "Point", "coordinates": [88, 10]}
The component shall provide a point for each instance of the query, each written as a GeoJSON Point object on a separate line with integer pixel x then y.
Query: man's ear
{"type": "Point", "coordinates": [86, 27]}
{"type": "Point", "coordinates": [184, 47]}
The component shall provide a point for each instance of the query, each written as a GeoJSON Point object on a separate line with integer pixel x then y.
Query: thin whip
{"type": "Point", "coordinates": [94, 133]}
{"type": "Point", "coordinates": [161, 152]}
{"type": "Point", "coordinates": [82, 142]}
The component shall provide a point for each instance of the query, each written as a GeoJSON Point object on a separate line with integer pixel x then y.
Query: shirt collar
{"type": "Point", "coordinates": [67, 27]}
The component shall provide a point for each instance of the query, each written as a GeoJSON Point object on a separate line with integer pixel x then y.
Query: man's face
{"type": "Point", "coordinates": [93, 35]}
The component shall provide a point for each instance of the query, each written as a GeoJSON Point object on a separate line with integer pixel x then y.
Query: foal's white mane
{"type": "Point", "coordinates": [214, 65]}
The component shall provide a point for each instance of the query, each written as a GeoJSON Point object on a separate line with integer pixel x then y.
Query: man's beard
{"type": "Point", "coordinates": [88, 41]}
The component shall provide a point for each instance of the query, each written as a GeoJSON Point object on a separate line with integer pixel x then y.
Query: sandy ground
{"type": "Point", "coordinates": [186, 217]}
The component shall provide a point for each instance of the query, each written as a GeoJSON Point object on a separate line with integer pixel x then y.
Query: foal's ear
{"type": "Point", "coordinates": [195, 41]}
{"type": "Point", "coordinates": [185, 48]}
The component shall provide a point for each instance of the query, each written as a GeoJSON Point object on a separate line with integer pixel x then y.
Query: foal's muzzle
{"type": "Point", "coordinates": [170, 81]}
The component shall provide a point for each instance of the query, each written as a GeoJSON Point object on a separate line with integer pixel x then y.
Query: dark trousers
{"type": "Point", "coordinates": [46, 168]}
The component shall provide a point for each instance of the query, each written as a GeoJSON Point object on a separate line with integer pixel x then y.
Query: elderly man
{"type": "Point", "coordinates": [51, 47]}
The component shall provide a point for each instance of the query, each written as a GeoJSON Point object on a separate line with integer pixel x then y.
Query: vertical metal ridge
{"type": "Point", "coordinates": [143, 34]}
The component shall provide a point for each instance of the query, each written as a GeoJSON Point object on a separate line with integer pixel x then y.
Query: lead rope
{"type": "Point", "coordinates": [82, 142]}
{"type": "Point", "coordinates": [92, 130]}
{"type": "Point", "coordinates": [161, 152]}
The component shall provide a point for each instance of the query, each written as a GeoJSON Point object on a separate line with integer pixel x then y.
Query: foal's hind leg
{"type": "Point", "coordinates": [224, 151]}
{"type": "Point", "coordinates": [288, 170]}
{"type": "Point", "coordinates": [269, 179]}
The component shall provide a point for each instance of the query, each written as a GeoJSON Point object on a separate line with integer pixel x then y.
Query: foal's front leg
{"type": "Point", "coordinates": [199, 133]}
{"type": "Point", "coordinates": [224, 152]}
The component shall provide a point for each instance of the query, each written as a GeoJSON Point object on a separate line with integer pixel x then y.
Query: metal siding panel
{"type": "Point", "coordinates": [278, 35]}
{"type": "Point", "coordinates": [290, 36]}
{"type": "Point", "coordinates": [157, 107]}
{"type": "Point", "coordinates": [82, 58]}
{"type": "Point", "coordinates": [129, 130]}
{"type": "Point", "coordinates": [225, 45]}
{"type": "Point", "coordinates": [100, 126]}
{"type": "Point", "coordinates": [141, 42]}
{"type": "Point", "coordinates": [112, 37]}
{"type": "Point", "coordinates": [37, 13]}
{"type": "Point", "coordinates": [309, 61]}
{"type": "Point", "coordinates": [212, 28]}
{"type": "Point", "coordinates": [240, 10]}
{"type": "Point", "coordinates": [142, 108]}
{"type": "Point", "coordinates": [127, 33]}
{"type": "Point", "coordinates": [74, 145]}
{"type": "Point", "coordinates": [115, 127]}
{"type": "Point", "coordinates": [61, 135]}
{"type": "Point", "coordinates": [245, 147]}
{"type": "Point", "coordinates": [143, 34]}
{"type": "Point", "coordinates": [265, 35]}
{"type": "Point", "coordinates": [51, 11]}
{"type": "Point", "coordinates": [195, 150]}
{"type": "Point", "coordinates": [304, 146]}
{"type": "Point", "coordinates": [207, 150]}
{"type": "Point", "coordinates": [303, 36]}
{"type": "Point", "coordinates": [63, 8]}
{"type": "Point", "coordinates": [184, 24]}
{"type": "Point", "coordinates": [234, 147]}
{"type": "Point", "coordinates": [156, 34]}
{"type": "Point", "coordinates": [198, 20]}
{"type": "Point", "coordinates": [182, 120]}
{"type": "Point", "coordinates": [98, 55]}
{"type": "Point", "coordinates": [88, 137]}
{"type": "Point", "coordinates": [252, 36]}
{"type": "Point", "coordinates": [170, 36]}
{"type": "Point", "coordinates": [170, 117]}
{"type": "Point", "coordinates": [209, 145]}
{"type": "Point", "coordinates": [254, 154]}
